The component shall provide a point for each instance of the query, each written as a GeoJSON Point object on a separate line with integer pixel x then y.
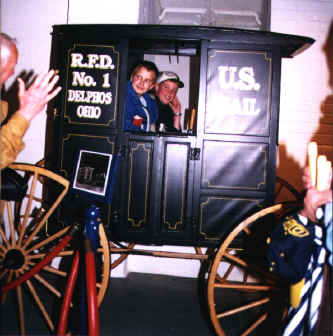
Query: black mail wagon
{"type": "Point", "coordinates": [210, 186]}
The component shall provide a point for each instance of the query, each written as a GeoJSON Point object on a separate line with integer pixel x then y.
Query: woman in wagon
{"type": "Point", "coordinates": [141, 110]}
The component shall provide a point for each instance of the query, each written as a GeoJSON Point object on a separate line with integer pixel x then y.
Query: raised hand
{"type": "Point", "coordinates": [306, 178]}
{"type": "Point", "coordinates": [175, 105]}
{"type": "Point", "coordinates": [176, 108]}
{"type": "Point", "coordinates": [34, 99]}
{"type": "Point", "coordinates": [314, 198]}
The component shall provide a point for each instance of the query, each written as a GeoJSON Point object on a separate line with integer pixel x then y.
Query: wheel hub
{"type": "Point", "coordinates": [14, 259]}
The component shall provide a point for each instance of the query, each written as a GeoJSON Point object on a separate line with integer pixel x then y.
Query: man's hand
{"type": "Point", "coordinates": [306, 178]}
{"type": "Point", "coordinates": [34, 99]}
{"type": "Point", "coordinates": [175, 105]}
{"type": "Point", "coordinates": [314, 198]}
{"type": "Point", "coordinates": [176, 108]}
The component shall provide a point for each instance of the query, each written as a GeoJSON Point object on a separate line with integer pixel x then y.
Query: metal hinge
{"type": "Point", "coordinates": [195, 154]}
{"type": "Point", "coordinates": [122, 150]}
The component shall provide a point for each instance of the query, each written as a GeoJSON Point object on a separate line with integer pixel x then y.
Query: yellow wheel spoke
{"type": "Point", "coordinates": [235, 259]}
{"type": "Point", "coordinates": [54, 270]}
{"type": "Point", "coordinates": [36, 256]}
{"type": "Point", "coordinates": [243, 308]}
{"type": "Point", "coordinates": [66, 253]}
{"type": "Point", "coordinates": [21, 309]}
{"type": "Point", "coordinates": [242, 286]}
{"type": "Point", "coordinates": [47, 285]}
{"type": "Point", "coordinates": [40, 305]}
{"type": "Point", "coordinates": [28, 209]}
{"type": "Point", "coordinates": [11, 223]}
{"type": "Point", "coordinates": [4, 238]}
{"type": "Point", "coordinates": [242, 263]}
{"type": "Point", "coordinates": [47, 240]}
{"type": "Point", "coordinates": [226, 274]}
{"type": "Point", "coordinates": [255, 325]}
{"type": "Point", "coordinates": [3, 250]}
{"type": "Point", "coordinates": [4, 272]}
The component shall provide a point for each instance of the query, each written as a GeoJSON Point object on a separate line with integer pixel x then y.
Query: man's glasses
{"type": "Point", "coordinates": [139, 78]}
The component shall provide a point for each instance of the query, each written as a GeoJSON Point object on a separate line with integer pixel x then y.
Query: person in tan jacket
{"type": "Point", "coordinates": [32, 101]}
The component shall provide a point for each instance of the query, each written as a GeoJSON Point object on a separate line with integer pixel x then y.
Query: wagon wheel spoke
{"type": "Point", "coordinates": [28, 209]}
{"type": "Point", "coordinates": [56, 271]}
{"type": "Point", "coordinates": [226, 274]}
{"type": "Point", "coordinates": [43, 242]}
{"type": "Point", "coordinates": [243, 286]}
{"type": "Point", "coordinates": [255, 325]}
{"type": "Point", "coordinates": [243, 297]}
{"type": "Point", "coordinates": [20, 309]}
{"type": "Point", "coordinates": [284, 191]}
{"type": "Point", "coordinates": [117, 259]}
{"type": "Point", "coordinates": [5, 243]}
{"type": "Point", "coordinates": [287, 194]}
{"type": "Point", "coordinates": [255, 303]}
{"type": "Point", "coordinates": [48, 285]}
{"type": "Point", "coordinates": [248, 268]}
{"type": "Point", "coordinates": [40, 305]}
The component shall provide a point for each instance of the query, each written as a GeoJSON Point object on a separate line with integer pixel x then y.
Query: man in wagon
{"type": "Point", "coordinates": [141, 111]}
{"type": "Point", "coordinates": [169, 107]}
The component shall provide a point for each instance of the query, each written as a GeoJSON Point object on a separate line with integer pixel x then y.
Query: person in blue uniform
{"type": "Point", "coordinates": [141, 110]}
{"type": "Point", "coordinates": [299, 249]}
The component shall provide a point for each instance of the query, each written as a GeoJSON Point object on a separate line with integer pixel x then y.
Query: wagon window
{"type": "Point", "coordinates": [182, 58]}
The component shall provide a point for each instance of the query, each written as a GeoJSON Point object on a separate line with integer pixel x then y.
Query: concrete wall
{"type": "Point", "coordinates": [306, 95]}
{"type": "Point", "coordinates": [306, 109]}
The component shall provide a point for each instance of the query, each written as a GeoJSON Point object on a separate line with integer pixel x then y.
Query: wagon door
{"type": "Point", "coordinates": [236, 137]}
{"type": "Point", "coordinates": [157, 177]}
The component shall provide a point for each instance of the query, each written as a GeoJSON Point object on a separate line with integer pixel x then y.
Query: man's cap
{"type": "Point", "coordinates": [169, 75]}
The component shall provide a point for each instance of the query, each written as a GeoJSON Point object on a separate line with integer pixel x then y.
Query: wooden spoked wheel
{"type": "Point", "coordinates": [243, 297]}
{"type": "Point", "coordinates": [287, 194]}
{"type": "Point", "coordinates": [26, 239]}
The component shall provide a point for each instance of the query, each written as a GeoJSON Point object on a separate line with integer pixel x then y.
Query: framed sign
{"type": "Point", "coordinates": [92, 84]}
{"type": "Point", "coordinates": [94, 175]}
{"type": "Point", "coordinates": [238, 92]}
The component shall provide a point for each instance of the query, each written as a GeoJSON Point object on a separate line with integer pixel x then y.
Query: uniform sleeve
{"type": "Point", "coordinates": [290, 246]}
{"type": "Point", "coordinates": [11, 142]}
